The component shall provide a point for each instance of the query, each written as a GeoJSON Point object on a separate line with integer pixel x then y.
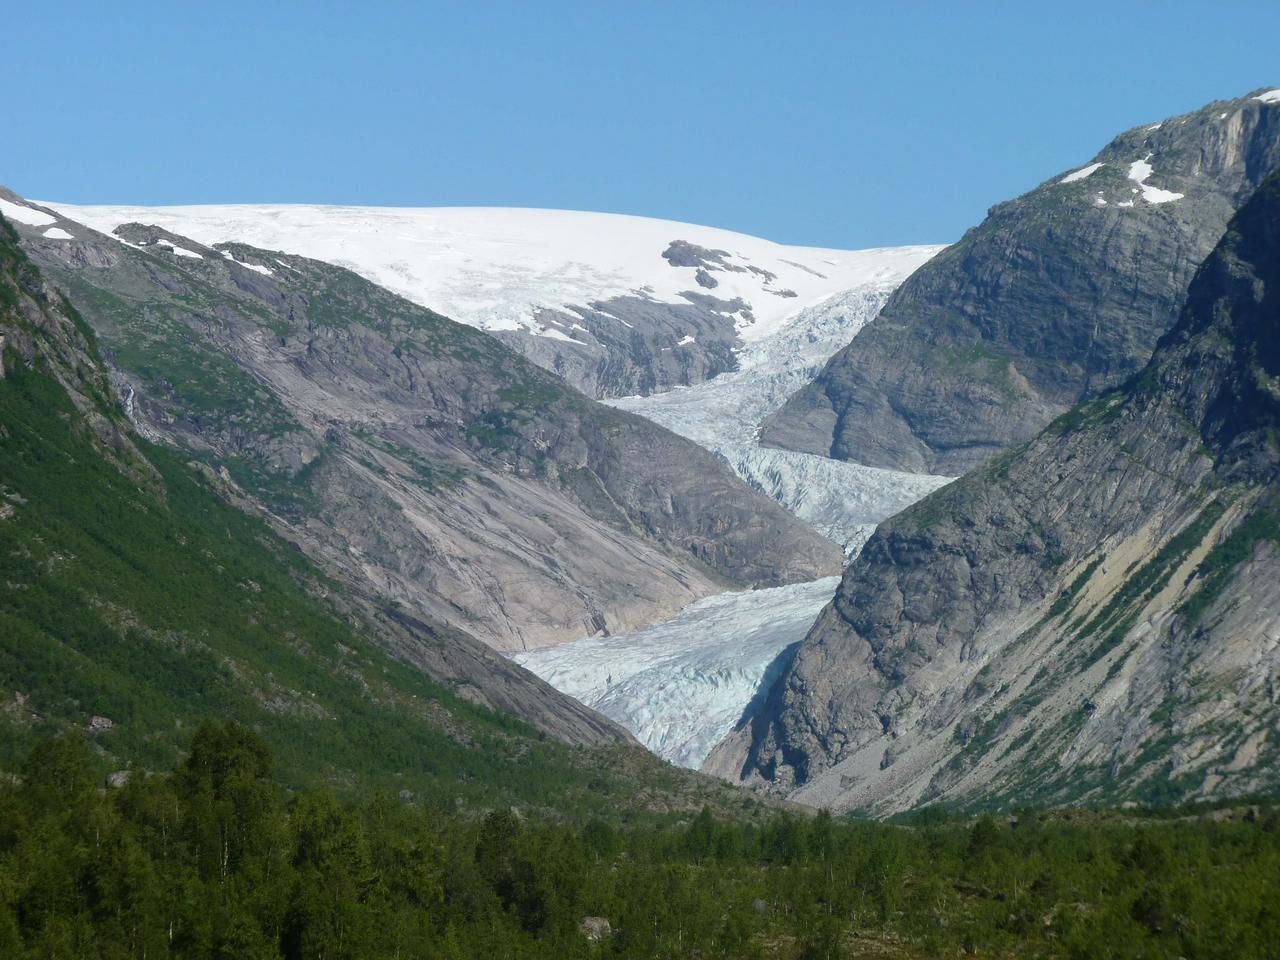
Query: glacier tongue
{"type": "Point", "coordinates": [842, 500]}
{"type": "Point", "coordinates": [680, 686]}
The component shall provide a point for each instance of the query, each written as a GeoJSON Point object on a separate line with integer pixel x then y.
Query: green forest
{"type": "Point", "coordinates": [218, 860]}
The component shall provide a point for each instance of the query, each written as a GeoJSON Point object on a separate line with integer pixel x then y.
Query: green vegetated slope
{"type": "Point", "coordinates": [129, 591]}
{"type": "Point", "coordinates": [217, 861]}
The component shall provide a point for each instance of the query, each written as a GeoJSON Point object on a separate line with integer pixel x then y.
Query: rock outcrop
{"type": "Point", "coordinates": [1092, 617]}
{"type": "Point", "coordinates": [1058, 295]}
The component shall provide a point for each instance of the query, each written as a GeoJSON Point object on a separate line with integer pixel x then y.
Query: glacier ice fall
{"type": "Point", "coordinates": [842, 500]}
{"type": "Point", "coordinates": [681, 686]}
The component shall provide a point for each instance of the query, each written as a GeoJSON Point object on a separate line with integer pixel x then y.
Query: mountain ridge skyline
{"type": "Point", "coordinates": [874, 121]}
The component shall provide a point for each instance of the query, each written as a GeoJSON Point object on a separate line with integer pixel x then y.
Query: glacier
{"type": "Point", "coordinates": [681, 686]}
{"type": "Point", "coordinates": [844, 501]}
{"type": "Point", "coordinates": [497, 267]}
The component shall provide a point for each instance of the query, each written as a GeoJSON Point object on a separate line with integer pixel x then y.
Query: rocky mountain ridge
{"type": "Point", "coordinates": [1058, 295]}
{"type": "Point", "coordinates": [413, 455]}
{"type": "Point", "coordinates": [1092, 617]}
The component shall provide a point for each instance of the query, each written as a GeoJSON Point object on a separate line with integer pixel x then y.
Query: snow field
{"type": "Point", "coordinates": [495, 267]}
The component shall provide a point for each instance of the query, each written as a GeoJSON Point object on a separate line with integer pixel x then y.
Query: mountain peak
{"type": "Point", "coordinates": [1059, 294]}
{"type": "Point", "coordinates": [1055, 627]}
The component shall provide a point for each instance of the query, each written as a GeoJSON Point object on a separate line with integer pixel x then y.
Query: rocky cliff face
{"type": "Point", "coordinates": [1057, 295]}
{"type": "Point", "coordinates": [629, 346]}
{"type": "Point", "coordinates": [1093, 616]}
{"type": "Point", "coordinates": [41, 331]}
{"type": "Point", "coordinates": [39, 328]}
{"type": "Point", "coordinates": [413, 455]}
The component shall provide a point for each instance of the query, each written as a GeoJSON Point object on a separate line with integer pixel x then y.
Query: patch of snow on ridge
{"type": "Point", "coordinates": [554, 334]}
{"type": "Point", "coordinates": [1139, 171]}
{"type": "Point", "coordinates": [681, 686]}
{"type": "Point", "coordinates": [255, 267]}
{"type": "Point", "coordinates": [495, 267]}
{"type": "Point", "coordinates": [32, 218]}
{"type": "Point", "coordinates": [1271, 96]}
{"type": "Point", "coordinates": [180, 251]}
{"type": "Point", "coordinates": [57, 233]}
{"type": "Point", "coordinates": [1082, 173]}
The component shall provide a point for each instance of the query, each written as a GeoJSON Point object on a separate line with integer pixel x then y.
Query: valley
{"type": "Point", "coordinates": [677, 661]}
{"type": "Point", "coordinates": [605, 546]}
{"type": "Point", "coordinates": [730, 342]}
{"type": "Point", "coordinates": [574, 481]}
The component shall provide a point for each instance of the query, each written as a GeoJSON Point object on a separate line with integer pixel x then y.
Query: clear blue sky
{"type": "Point", "coordinates": [837, 124]}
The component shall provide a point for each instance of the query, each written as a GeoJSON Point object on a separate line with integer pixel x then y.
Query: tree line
{"type": "Point", "coordinates": [217, 860]}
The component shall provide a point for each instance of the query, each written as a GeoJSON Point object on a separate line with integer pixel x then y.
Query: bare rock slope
{"type": "Point", "coordinates": [1058, 295]}
{"type": "Point", "coordinates": [1094, 616]}
{"type": "Point", "coordinates": [416, 457]}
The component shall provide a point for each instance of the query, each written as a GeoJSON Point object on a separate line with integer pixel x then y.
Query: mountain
{"type": "Point", "coordinates": [410, 454]}
{"type": "Point", "coordinates": [617, 305]}
{"type": "Point", "coordinates": [1058, 295]}
{"type": "Point", "coordinates": [842, 500]}
{"type": "Point", "coordinates": [134, 602]}
{"type": "Point", "coordinates": [1094, 616]}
